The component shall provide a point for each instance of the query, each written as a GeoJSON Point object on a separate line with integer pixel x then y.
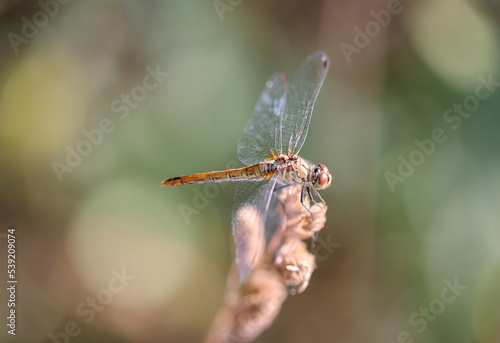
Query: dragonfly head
{"type": "Point", "coordinates": [321, 177]}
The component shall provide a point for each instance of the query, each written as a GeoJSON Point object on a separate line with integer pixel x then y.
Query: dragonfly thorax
{"type": "Point", "coordinates": [294, 169]}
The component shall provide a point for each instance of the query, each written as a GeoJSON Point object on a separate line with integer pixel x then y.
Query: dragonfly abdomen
{"type": "Point", "coordinates": [256, 172]}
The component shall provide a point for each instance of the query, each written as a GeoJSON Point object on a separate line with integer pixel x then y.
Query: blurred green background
{"type": "Point", "coordinates": [404, 222]}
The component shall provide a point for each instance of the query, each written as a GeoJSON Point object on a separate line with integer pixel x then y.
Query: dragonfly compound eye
{"type": "Point", "coordinates": [323, 179]}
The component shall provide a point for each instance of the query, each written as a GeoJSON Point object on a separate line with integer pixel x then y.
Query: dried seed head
{"type": "Point", "coordinates": [314, 222]}
{"type": "Point", "coordinates": [295, 264]}
{"type": "Point", "coordinates": [291, 209]}
{"type": "Point", "coordinates": [300, 221]}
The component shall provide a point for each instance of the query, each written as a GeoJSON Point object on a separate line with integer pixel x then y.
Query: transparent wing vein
{"type": "Point", "coordinates": [261, 134]}
{"type": "Point", "coordinates": [303, 90]}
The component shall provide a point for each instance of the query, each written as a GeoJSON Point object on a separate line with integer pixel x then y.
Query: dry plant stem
{"type": "Point", "coordinates": [261, 299]}
{"type": "Point", "coordinates": [251, 307]}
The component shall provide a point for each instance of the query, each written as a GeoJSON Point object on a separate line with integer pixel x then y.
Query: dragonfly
{"type": "Point", "coordinates": [269, 148]}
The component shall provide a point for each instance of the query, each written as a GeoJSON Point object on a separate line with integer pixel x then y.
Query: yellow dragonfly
{"type": "Point", "coordinates": [269, 146]}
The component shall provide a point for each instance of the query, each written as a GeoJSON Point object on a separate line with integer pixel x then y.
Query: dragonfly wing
{"type": "Point", "coordinates": [250, 207]}
{"type": "Point", "coordinates": [302, 93]}
{"type": "Point", "coordinates": [261, 134]}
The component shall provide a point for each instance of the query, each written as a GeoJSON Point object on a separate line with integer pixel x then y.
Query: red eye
{"type": "Point", "coordinates": [323, 179]}
{"type": "Point", "coordinates": [324, 168]}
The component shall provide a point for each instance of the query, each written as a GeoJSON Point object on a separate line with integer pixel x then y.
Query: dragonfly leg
{"type": "Point", "coordinates": [302, 196]}
{"type": "Point", "coordinates": [314, 201]}
{"type": "Point", "coordinates": [284, 186]}
{"type": "Point", "coordinates": [315, 234]}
